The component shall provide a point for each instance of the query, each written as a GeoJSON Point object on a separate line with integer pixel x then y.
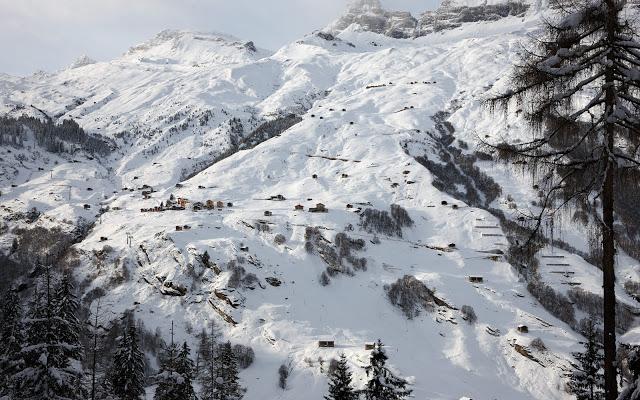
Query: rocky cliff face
{"type": "Point", "coordinates": [369, 16]}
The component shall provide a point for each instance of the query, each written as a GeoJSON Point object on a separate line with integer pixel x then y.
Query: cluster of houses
{"type": "Point", "coordinates": [319, 208]}
{"type": "Point", "coordinates": [332, 343]}
{"type": "Point", "coordinates": [180, 204]}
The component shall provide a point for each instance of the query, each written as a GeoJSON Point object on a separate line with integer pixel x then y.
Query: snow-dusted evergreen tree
{"type": "Point", "coordinates": [206, 346]}
{"type": "Point", "coordinates": [578, 86]}
{"type": "Point", "coordinates": [127, 371]}
{"type": "Point", "coordinates": [185, 368]}
{"type": "Point", "coordinates": [207, 376]}
{"type": "Point", "coordinates": [66, 308]}
{"type": "Point", "coordinates": [340, 382]}
{"type": "Point", "coordinates": [226, 385]}
{"type": "Point", "coordinates": [205, 366]}
{"type": "Point", "coordinates": [175, 379]}
{"type": "Point", "coordinates": [382, 383]}
{"type": "Point", "coordinates": [168, 379]}
{"type": "Point", "coordinates": [11, 339]}
{"type": "Point", "coordinates": [46, 372]}
{"type": "Point", "coordinates": [587, 380]}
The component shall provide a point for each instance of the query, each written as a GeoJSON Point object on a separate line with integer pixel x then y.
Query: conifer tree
{"type": "Point", "coordinates": [383, 384]}
{"type": "Point", "coordinates": [226, 384]}
{"type": "Point", "coordinates": [340, 384]}
{"type": "Point", "coordinates": [46, 372]}
{"type": "Point", "coordinates": [206, 365]}
{"type": "Point", "coordinates": [175, 379]}
{"type": "Point", "coordinates": [207, 376]}
{"type": "Point", "coordinates": [127, 371]}
{"type": "Point", "coordinates": [66, 307]}
{"type": "Point", "coordinates": [587, 381]}
{"type": "Point", "coordinates": [11, 339]}
{"type": "Point", "coordinates": [167, 379]}
{"type": "Point", "coordinates": [578, 87]}
{"type": "Point", "coordinates": [204, 353]}
{"type": "Point", "coordinates": [185, 368]}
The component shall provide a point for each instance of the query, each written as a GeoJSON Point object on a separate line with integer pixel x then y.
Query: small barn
{"type": "Point", "coordinates": [178, 228]}
{"type": "Point", "coordinates": [229, 204]}
{"type": "Point", "coordinates": [87, 206]}
{"type": "Point", "coordinates": [369, 346]}
{"type": "Point", "coordinates": [523, 329]}
{"type": "Point", "coordinates": [326, 343]}
{"type": "Point", "coordinates": [268, 213]}
{"type": "Point", "coordinates": [277, 197]}
{"type": "Point", "coordinates": [299, 207]}
{"type": "Point", "coordinates": [476, 279]}
{"type": "Point", "coordinates": [319, 208]}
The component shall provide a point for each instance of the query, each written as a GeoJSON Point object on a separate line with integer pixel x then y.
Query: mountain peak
{"type": "Point", "coordinates": [195, 48]}
{"type": "Point", "coordinates": [82, 61]}
{"type": "Point", "coordinates": [364, 5]}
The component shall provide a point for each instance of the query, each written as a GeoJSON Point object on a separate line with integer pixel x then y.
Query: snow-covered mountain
{"type": "Point", "coordinates": [378, 109]}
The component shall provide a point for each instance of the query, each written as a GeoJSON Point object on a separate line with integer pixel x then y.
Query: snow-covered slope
{"type": "Point", "coordinates": [370, 106]}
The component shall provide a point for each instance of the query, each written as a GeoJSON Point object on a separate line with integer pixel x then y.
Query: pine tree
{"type": "Point", "coordinates": [185, 368]}
{"type": "Point", "coordinates": [226, 384]}
{"type": "Point", "coordinates": [127, 371]}
{"type": "Point", "coordinates": [175, 379]}
{"type": "Point", "coordinates": [204, 353]}
{"type": "Point", "coordinates": [206, 365]}
{"type": "Point", "coordinates": [11, 339]}
{"type": "Point", "coordinates": [587, 381]}
{"type": "Point", "coordinates": [167, 379]}
{"type": "Point", "coordinates": [66, 305]}
{"type": "Point", "coordinates": [207, 376]}
{"type": "Point", "coordinates": [578, 87]}
{"type": "Point", "coordinates": [46, 371]}
{"type": "Point", "coordinates": [340, 384]}
{"type": "Point", "coordinates": [382, 384]}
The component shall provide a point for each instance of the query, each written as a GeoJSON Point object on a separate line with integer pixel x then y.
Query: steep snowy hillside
{"type": "Point", "coordinates": [237, 146]}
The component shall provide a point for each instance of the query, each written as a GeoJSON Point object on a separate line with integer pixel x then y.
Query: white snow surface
{"type": "Point", "coordinates": [152, 101]}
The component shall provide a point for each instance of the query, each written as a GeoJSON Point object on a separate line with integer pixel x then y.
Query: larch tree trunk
{"type": "Point", "coordinates": [608, 244]}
